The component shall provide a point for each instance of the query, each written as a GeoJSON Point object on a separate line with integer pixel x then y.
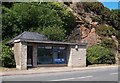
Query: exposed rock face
{"type": "Point", "coordinates": [75, 36]}
{"type": "Point", "coordinates": [90, 38]}
{"type": "Point", "coordinates": [85, 31]}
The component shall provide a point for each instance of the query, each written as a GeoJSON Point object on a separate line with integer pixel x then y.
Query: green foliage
{"type": "Point", "coordinates": [104, 14]}
{"type": "Point", "coordinates": [67, 17]}
{"type": "Point", "coordinates": [9, 23]}
{"type": "Point", "coordinates": [97, 7]}
{"type": "Point", "coordinates": [34, 17]}
{"type": "Point", "coordinates": [54, 33]}
{"type": "Point", "coordinates": [7, 57]}
{"type": "Point", "coordinates": [116, 18]}
{"type": "Point", "coordinates": [8, 4]}
{"type": "Point", "coordinates": [52, 19]}
{"type": "Point", "coordinates": [99, 55]}
{"type": "Point", "coordinates": [116, 12]}
{"type": "Point", "coordinates": [97, 19]}
{"type": "Point", "coordinates": [105, 30]}
{"type": "Point", "coordinates": [118, 35]}
{"type": "Point", "coordinates": [55, 21]}
{"type": "Point", "coordinates": [108, 43]}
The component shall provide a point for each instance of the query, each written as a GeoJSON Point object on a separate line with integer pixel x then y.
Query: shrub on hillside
{"type": "Point", "coordinates": [108, 43]}
{"type": "Point", "coordinates": [99, 55]}
{"type": "Point", "coordinates": [105, 30]}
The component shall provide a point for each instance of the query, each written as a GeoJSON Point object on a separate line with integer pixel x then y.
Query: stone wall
{"type": "Point", "coordinates": [77, 58]}
{"type": "Point", "coordinates": [20, 54]}
{"type": "Point", "coordinates": [17, 54]}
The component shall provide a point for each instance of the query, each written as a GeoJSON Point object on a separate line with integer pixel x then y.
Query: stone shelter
{"type": "Point", "coordinates": [32, 49]}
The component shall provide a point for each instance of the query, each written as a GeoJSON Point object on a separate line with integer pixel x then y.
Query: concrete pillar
{"type": "Point", "coordinates": [23, 55]}
{"type": "Point", "coordinates": [20, 54]}
{"type": "Point", "coordinates": [35, 56]}
{"type": "Point", "coordinates": [55, 53]}
{"type": "Point", "coordinates": [77, 58]}
{"type": "Point", "coordinates": [17, 54]}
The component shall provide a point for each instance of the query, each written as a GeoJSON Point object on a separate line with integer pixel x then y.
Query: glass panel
{"type": "Point", "coordinates": [41, 47]}
{"type": "Point", "coordinates": [44, 55]}
{"type": "Point", "coordinates": [62, 48]}
{"type": "Point", "coordinates": [61, 56]}
{"type": "Point", "coordinates": [48, 47]}
{"type": "Point", "coordinates": [51, 55]}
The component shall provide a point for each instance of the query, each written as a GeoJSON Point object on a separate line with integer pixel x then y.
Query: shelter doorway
{"type": "Point", "coordinates": [29, 56]}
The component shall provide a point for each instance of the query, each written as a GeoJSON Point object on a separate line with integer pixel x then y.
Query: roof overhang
{"type": "Point", "coordinates": [46, 42]}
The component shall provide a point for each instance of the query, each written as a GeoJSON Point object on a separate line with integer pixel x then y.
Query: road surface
{"type": "Point", "coordinates": [102, 74]}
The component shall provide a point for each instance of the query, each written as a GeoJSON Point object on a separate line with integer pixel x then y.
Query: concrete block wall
{"type": "Point", "coordinates": [17, 54]}
{"type": "Point", "coordinates": [77, 58]}
{"type": "Point", "coordinates": [20, 54]}
{"type": "Point", "coordinates": [23, 55]}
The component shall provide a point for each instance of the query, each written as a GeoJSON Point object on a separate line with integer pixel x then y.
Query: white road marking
{"type": "Point", "coordinates": [113, 73]}
{"type": "Point", "coordinates": [72, 78]}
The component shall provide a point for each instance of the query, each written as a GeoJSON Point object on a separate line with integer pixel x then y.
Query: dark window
{"type": "Point", "coordinates": [51, 54]}
{"type": "Point", "coordinates": [44, 55]}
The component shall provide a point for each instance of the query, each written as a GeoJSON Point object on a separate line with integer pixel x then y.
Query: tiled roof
{"type": "Point", "coordinates": [33, 37]}
{"type": "Point", "coordinates": [29, 36]}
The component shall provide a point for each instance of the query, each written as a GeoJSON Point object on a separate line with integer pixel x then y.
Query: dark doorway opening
{"type": "Point", "coordinates": [29, 56]}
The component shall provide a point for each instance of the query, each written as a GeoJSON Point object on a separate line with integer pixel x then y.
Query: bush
{"type": "Point", "coordinates": [7, 57]}
{"type": "Point", "coordinates": [99, 55]}
{"type": "Point", "coordinates": [105, 30]}
{"type": "Point", "coordinates": [108, 43]}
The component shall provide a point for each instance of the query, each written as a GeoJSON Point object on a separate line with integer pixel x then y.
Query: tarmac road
{"type": "Point", "coordinates": [106, 74]}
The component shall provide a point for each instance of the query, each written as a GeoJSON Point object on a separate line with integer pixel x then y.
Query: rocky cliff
{"type": "Point", "coordinates": [87, 21]}
{"type": "Point", "coordinates": [94, 25]}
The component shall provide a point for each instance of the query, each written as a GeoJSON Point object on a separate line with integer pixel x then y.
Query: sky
{"type": "Point", "coordinates": [111, 4]}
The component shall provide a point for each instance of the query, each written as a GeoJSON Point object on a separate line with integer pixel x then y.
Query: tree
{"type": "Point", "coordinates": [10, 23]}
{"type": "Point", "coordinates": [34, 17]}
{"type": "Point", "coordinates": [66, 15]}
{"type": "Point", "coordinates": [54, 33]}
